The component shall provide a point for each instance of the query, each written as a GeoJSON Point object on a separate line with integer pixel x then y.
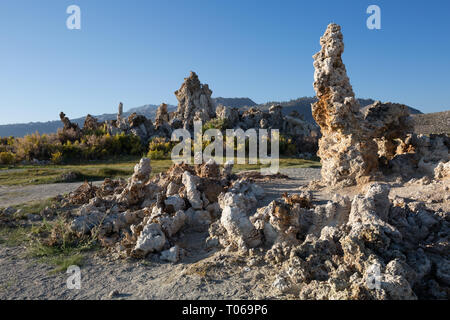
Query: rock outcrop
{"type": "Point", "coordinates": [162, 116]}
{"type": "Point", "coordinates": [70, 131]}
{"type": "Point", "coordinates": [67, 124]}
{"type": "Point", "coordinates": [354, 143]}
{"type": "Point", "coordinates": [234, 229]}
{"type": "Point", "coordinates": [145, 215]}
{"type": "Point", "coordinates": [346, 153]}
{"type": "Point", "coordinates": [135, 124]}
{"type": "Point", "coordinates": [194, 102]}
{"type": "Point", "coordinates": [368, 247]}
{"type": "Point", "coordinates": [90, 124]}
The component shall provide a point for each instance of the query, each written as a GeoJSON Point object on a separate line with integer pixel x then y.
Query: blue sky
{"type": "Point", "coordinates": [139, 51]}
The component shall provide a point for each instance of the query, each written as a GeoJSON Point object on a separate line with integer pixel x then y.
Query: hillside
{"type": "Point", "coordinates": [438, 122]}
{"type": "Point", "coordinates": [235, 102]}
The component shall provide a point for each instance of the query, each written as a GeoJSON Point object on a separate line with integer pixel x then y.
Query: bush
{"type": "Point", "coordinates": [160, 148]}
{"type": "Point", "coordinates": [36, 146]}
{"type": "Point", "coordinates": [220, 124]}
{"type": "Point", "coordinates": [71, 151]}
{"type": "Point", "coordinates": [156, 155]}
{"type": "Point", "coordinates": [94, 146]}
{"type": "Point", "coordinates": [57, 157]}
{"type": "Point", "coordinates": [287, 146]}
{"type": "Point", "coordinates": [7, 158]}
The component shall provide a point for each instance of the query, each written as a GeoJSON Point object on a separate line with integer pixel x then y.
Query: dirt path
{"type": "Point", "coordinates": [13, 195]}
{"type": "Point", "coordinates": [201, 274]}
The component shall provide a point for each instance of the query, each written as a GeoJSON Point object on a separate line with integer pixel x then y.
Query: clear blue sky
{"type": "Point", "coordinates": [139, 51]}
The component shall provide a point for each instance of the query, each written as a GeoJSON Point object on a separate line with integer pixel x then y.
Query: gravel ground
{"type": "Point", "coordinates": [14, 195]}
{"type": "Point", "coordinates": [135, 279]}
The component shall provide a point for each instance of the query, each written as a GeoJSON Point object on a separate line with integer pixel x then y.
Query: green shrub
{"type": "Point", "coordinates": [156, 155]}
{"type": "Point", "coordinates": [71, 151]}
{"type": "Point", "coordinates": [94, 146]}
{"type": "Point", "coordinates": [160, 148]}
{"type": "Point", "coordinates": [7, 158]}
{"type": "Point", "coordinates": [287, 146]}
{"type": "Point", "coordinates": [57, 157]}
{"type": "Point", "coordinates": [36, 146]}
{"type": "Point", "coordinates": [220, 124]}
{"type": "Point", "coordinates": [113, 172]}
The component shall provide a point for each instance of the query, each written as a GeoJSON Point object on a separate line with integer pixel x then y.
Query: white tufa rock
{"type": "Point", "coordinates": [151, 239]}
{"type": "Point", "coordinates": [193, 195]}
{"type": "Point", "coordinates": [176, 203]}
{"type": "Point", "coordinates": [442, 170]}
{"type": "Point", "coordinates": [172, 255]}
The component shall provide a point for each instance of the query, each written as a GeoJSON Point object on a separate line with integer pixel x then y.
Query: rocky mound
{"type": "Point", "coordinates": [368, 243]}
{"type": "Point", "coordinates": [143, 215]}
{"type": "Point", "coordinates": [355, 145]}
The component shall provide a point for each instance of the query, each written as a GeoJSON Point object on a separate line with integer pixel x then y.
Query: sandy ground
{"type": "Point", "coordinates": [201, 274]}
{"type": "Point", "coordinates": [13, 195]}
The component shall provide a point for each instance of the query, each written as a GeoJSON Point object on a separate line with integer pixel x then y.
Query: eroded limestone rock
{"type": "Point", "coordinates": [194, 102]}
{"type": "Point", "coordinates": [346, 153]}
{"type": "Point", "coordinates": [355, 142]}
{"type": "Point", "coordinates": [151, 239]}
{"type": "Point", "coordinates": [136, 189]}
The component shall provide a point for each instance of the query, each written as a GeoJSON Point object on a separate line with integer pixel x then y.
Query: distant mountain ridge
{"type": "Point", "coordinates": [301, 105]}
{"type": "Point", "coordinates": [234, 102]}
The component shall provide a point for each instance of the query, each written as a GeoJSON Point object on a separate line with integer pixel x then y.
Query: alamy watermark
{"type": "Point", "coordinates": [373, 277]}
{"type": "Point", "coordinates": [374, 20]}
{"type": "Point", "coordinates": [74, 280]}
{"type": "Point", "coordinates": [211, 141]}
{"type": "Point", "coordinates": [73, 22]}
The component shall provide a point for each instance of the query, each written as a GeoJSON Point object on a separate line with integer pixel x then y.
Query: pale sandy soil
{"type": "Point", "coordinates": [14, 195]}
{"type": "Point", "coordinates": [144, 279]}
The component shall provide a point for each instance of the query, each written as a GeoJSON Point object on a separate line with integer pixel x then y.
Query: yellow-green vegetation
{"type": "Point", "coordinates": [220, 124]}
{"type": "Point", "coordinates": [160, 149]}
{"type": "Point", "coordinates": [7, 157]}
{"type": "Point", "coordinates": [63, 148]}
{"type": "Point", "coordinates": [13, 237]}
{"type": "Point", "coordinates": [287, 146]}
{"type": "Point", "coordinates": [284, 163]}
